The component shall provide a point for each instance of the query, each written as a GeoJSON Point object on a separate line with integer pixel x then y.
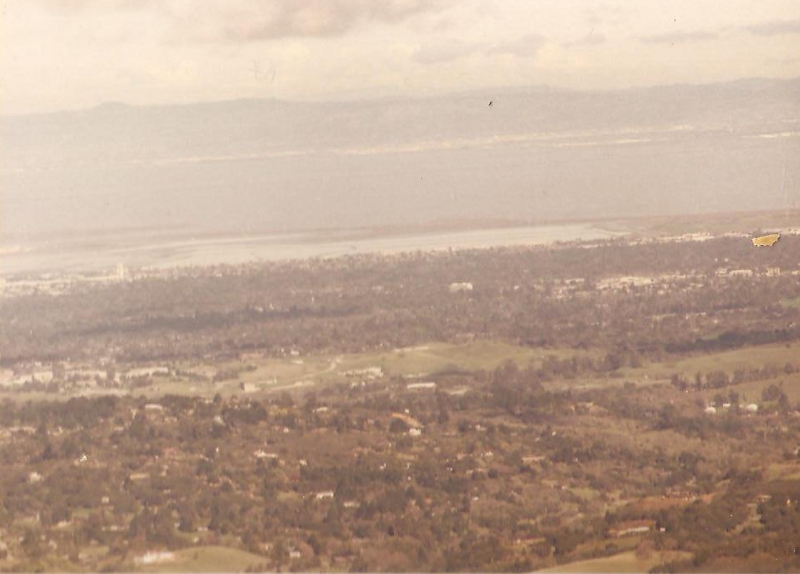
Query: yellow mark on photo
{"type": "Point", "coordinates": [766, 240]}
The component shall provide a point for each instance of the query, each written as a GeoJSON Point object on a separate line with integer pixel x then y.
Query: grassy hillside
{"type": "Point", "coordinates": [623, 562]}
{"type": "Point", "coordinates": [206, 559]}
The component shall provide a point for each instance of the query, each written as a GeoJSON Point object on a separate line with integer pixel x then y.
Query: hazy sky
{"type": "Point", "coordinates": [57, 54]}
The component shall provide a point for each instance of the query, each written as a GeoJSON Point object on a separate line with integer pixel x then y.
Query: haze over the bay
{"type": "Point", "coordinates": [534, 155]}
{"type": "Point", "coordinates": [258, 117]}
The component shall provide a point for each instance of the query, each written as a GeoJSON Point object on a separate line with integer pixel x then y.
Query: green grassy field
{"type": "Point", "coordinates": [206, 559]}
{"type": "Point", "coordinates": [728, 361]}
{"type": "Point", "coordinates": [49, 564]}
{"type": "Point", "coordinates": [783, 471]}
{"type": "Point", "coordinates": [269, 374]}
{"type": "Point", "coordinates": [791, 303]}
{"type": "Point", "coordinates": [429, 359]}
{"type": "Point", "coordinates": [434, 357]}
{"type": "Point", "coordinates": [623, 562]}
{"type": "Point", "coordinates": [426, 359]}
{"type": "Point", "coordinates": [752, 391]}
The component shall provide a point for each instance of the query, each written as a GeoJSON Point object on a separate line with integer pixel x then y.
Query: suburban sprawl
{"type": "Point", "coordinates": [622, 404]}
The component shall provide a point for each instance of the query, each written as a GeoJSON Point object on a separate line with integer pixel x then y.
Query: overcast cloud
{"type": "Point", "coordinates": [444, 51]}
{"type": "Point", "coordinates": [680, 37]}
{"type": "Point", "coordinates": [299, 18]}
{"type": "Point", "coordinates": [775, 28]}
{"type": "Point", "coordinates": [58, 54]}
{"type": "Point", "coordinates": [525, 47]}
{"type": "Point", "coordinates": [591, 39]}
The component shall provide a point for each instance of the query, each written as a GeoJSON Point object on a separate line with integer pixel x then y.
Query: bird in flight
{"type": "Point", "coordinates": [490, 103]}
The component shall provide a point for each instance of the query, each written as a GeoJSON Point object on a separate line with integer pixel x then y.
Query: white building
{"type": "Point", "coordinates": [420, 386]}
{"type": "Point", "coordinates": [261, 454]}
{"type": "Point", "coordinates": [368, 372]}
{"type": "Point", "coordinates": [121, 273]}
{"type": "Point", "coordinates": [741, 273]}
{"type": "Point", "coordinates": [154, 557]}
{"type": "Point", "coordinates": [459, 287]}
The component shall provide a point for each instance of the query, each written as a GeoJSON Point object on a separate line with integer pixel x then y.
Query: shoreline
{"type": "Point", "coordinates": [162, 255]}
{"type": "Point", "coordinates": [155, 250]}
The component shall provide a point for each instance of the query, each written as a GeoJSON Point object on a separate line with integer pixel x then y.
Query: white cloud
{"type": "Point", "coordinates": [775, 28]}
{"type": "Point", "coordinates": [256, 20]}
{"type": "Point", "coordinates": [60, 54]}
{"type": "Point", "coordinates": [444, 51]}
{"type": "Point", "coordinates": [679, 37]}
{"type": "Point", "coordinates": [591, 39]}
{"type": "Point", "coordinates": [526, 47]}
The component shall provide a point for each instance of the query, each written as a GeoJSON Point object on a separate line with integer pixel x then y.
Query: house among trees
{"type": "Point", "coordinates": [421, 386]}
{"type": "Point", "coordinates": [459, 287]}
{"type": "Point", "coordinates": [631, 527]}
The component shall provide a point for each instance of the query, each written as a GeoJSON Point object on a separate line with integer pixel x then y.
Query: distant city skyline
{"type": "Point", "coordinates": [68, 54]}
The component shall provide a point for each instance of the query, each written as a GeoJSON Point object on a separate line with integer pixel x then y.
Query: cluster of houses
{"type": "Point", "coordinates": [75, 377]}
{"type": "Point", "coordinates": [58, 284]}
{"type": "Point", "coordinates": [767, 272]}
{"type": "Point", "coordinates": [617, 283]}
{"type": "Point", "coordinates": [632, 527]}
{"type": "Point", "coordinates": [414, 426]}
{"type": "Point", "coordinates": [712, 409]}
{"type": "Point", "coordinates": [370, 373]}
{"type": "Point", "coordinates": [421, 386]}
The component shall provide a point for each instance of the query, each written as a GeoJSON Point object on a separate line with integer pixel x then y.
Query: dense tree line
{"type": "Point", "coordinates": [491, 483]}
{"type": "Point", "coordinates": [527, 295]}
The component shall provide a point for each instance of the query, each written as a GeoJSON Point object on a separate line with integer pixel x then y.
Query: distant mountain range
{"type": "Point", "coordinates": [535, 153]}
